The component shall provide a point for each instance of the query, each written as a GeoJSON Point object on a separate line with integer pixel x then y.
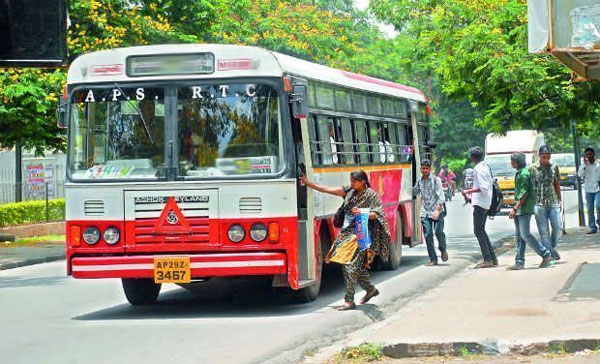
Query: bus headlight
{"type": "Point", "coordinates": [236, 233]}
{"type": "Point", "coordinates": [258, 232]}
{"type": "Point", "coordinates": [91, 235]}
{"type": "Point", "coordinates": [112, 235]}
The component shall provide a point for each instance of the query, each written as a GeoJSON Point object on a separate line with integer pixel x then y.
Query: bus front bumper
{"type": "Point", "coordinates": [201, 265]}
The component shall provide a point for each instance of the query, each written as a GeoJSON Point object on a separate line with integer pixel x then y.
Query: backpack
{"type": "Point", "coordinates": [497, 197]}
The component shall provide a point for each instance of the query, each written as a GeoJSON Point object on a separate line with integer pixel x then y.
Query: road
{"type": "Point", "coordinates": [47, 317]}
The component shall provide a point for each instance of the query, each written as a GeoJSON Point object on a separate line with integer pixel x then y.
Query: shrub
{"type": "Point", "coordinates": [29, 212]}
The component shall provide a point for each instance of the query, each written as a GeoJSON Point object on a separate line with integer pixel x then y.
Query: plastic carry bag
{"type": "Point", "coordinates": [362, 229]}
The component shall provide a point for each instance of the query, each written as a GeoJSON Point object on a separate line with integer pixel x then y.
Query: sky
{"type": "Point", "coordinates": [387, 29]}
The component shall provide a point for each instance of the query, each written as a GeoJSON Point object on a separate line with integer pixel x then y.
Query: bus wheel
{"type": "Point", "coordinates": [396, 248]}
{"type": "Point", "coordinates": [310, 293]}
{"type": "Point", "coordinates": [140, 291]}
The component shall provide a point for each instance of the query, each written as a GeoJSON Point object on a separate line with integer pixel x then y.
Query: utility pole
{"type": "Point", "coordinates": [577, 163]}
{"type": "Point", "coordinates": [18, 171]}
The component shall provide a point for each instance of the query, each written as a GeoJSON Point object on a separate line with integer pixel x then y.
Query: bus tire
{"type": "Point", "coordinates": [140, 291]}
{"type": "Point", "coordinates": [310, 293]}
{"type": "Point", "coordinates": [396, 248]}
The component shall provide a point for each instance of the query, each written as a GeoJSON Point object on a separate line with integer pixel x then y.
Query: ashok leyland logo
{"type": "Point", "coordinates": [171, 220]}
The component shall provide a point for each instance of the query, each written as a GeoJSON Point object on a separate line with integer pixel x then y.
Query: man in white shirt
{"type": "Point", "coordinates": [481, 198]}
{"type": "Point", "coordinates": [589, 171]}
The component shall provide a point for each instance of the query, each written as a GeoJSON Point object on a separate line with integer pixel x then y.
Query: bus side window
{"type": "Point", "coordinates": [377, 143]}
{"type": "Point", "coordinates": [327, 141]}
{"type": "Point", "coordinates": [362, 138]}
{"type": "Point", "coordinates": [348, 141]}
{"type": "Point", "coordinates": [402, 140]}
{"type": "Point", "coordinates": [423, 139]}
{"type": "Point", "coordinates": [390, 147]}
{"type": "Point", "coordinates": [315, 148]}
{"type": "Point", "coordinates": [338, 146]}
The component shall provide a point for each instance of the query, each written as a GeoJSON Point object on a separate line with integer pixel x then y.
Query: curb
{"type": "Point", "coordinates": [329, 343]}
{"type": "Point", "coordinates": [489, 347]}
{"type": "Point", "coordinates": [26, 262]}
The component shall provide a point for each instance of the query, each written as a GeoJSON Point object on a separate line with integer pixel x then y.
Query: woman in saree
{"type": "Point", "coordinates": [359, 195]}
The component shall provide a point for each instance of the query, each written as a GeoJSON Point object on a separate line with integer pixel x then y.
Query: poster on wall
{"type": "Point", "coordinates": [36, 183]}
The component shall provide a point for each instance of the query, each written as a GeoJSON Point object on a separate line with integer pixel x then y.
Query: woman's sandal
{"type": "Point", "coordinates": [369, 295]}
{"type": "Point", "coordinates": [347, 306]}
{"type": "Point", "coordinates": [483, 264]}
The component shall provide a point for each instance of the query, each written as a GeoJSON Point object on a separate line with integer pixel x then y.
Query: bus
{"type": "Point", "coordinates": [184, 162]}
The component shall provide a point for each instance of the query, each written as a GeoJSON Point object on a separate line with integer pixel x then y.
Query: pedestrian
{"type": "Point", "coordinates": [522, 212]}
{"type": "Point", "coordinates": [359, 195]}
{"type": "Point", "coordinates": [449, 177]}
{"type": "Point", "coordinates": [589, 171]}
{"type": "Point", "coordinates": [468, 176]}
{"type": "Point", "coordinates": [433, 211]}
{"type": "Point", "coordinates": [546, 185]}
{"type": "Point", "coordinates": [480, 196]}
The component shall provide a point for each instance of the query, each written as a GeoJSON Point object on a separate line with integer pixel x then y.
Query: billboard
{"type": "Point", "coordinates": [564, 25]}
{"type": "Point", "coordinates": [570, 31]}
{"type": "Point", "coordinates": [33, 33]}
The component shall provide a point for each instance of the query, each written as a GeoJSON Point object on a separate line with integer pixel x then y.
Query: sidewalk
{"type": "Point", "coordinates": [498, 311]}
{"type": "Point", "coordinates": [18, 256]}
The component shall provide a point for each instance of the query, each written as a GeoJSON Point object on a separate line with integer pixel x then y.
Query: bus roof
{"type": "Point", "coordinates": [231, 61]}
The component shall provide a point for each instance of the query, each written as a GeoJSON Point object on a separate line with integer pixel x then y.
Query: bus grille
{"type": "Point", "coordinates": [196, 215]}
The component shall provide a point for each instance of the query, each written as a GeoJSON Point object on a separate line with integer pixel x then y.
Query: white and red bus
{"type": "Point", "coordinates": [183, 163]}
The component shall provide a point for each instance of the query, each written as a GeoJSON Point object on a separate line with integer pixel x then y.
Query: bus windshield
{"type": "Point", "coordinates": [237, 133]}
{"type": "Point", "coordinates": [197, 130]}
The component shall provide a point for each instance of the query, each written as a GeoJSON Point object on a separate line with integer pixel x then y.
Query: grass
{"type": "Point", "coordinates": [36, 240]}
{"type": "Point", "coordinates": [557, 349]}
{"type": "Point", "coordinates": [363, 353]}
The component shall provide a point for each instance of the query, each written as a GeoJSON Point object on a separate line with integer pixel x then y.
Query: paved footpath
{"type": "Point", "coordinates": [499, 311]}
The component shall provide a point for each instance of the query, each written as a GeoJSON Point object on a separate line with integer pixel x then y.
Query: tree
{"type": "Point", "coordinates": [478, 51]}
{"type": "Point", "coordinates": [29, 99]}
{"type": "Point", "coordinates": [30, 96]}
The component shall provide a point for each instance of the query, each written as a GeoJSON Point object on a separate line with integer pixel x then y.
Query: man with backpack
{"type": "Point", "coordinates": [545, 177]}
{"type": "Point", "coordinates": [481, 196]}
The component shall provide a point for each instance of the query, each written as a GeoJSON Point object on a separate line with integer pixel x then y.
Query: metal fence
{"type": "Point", "coordinates": [31, 190]}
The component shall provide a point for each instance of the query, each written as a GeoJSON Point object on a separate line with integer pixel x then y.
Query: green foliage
{"type": "Point", "coordinates": [28, 107]}
{"type": "Point", "coordinates": [365, 352]}
{"type": "Point", "coordinates": [477, 50]}
{"type": "Point", "coordinates": [29, 212]}
{"type": "Point", "coordinates": [39, 239]}
{"type": "Point", "coordinates": [330, 32]}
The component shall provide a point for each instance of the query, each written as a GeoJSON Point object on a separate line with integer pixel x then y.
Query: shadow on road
{"type": "Point", "coordinates": [226, 298]}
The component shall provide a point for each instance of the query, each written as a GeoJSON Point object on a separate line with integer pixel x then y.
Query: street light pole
{"type": "Point", "coordinates": [18, 171]}
{"type": "Point", "coordinates": [578, 181]}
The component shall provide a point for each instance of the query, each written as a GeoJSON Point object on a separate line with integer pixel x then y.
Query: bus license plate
{"type": "Point", "coordinates": [172, 270]}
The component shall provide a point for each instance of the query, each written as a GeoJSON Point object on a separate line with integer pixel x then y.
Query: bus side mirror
{"type": "Point", "coordinates": [61, 115]}
{"type": "Point", "coordinates": [299, 101]}
{"type": "Point", "coordinates": [431, 144]}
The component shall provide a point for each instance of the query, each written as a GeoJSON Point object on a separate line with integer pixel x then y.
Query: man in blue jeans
{"type": "Point", "coordinates": [432, 211]}
{"type": "Point", "coordinates": [545, 178]}
{"type": "Point", "coordinates": [522, 212]}
{"type": "Point", "coordinates": [589, 171]}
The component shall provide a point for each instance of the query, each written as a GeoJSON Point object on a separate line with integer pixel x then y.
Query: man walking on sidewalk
{"type": "Point", "coordinates": [481, 198]}
{"type": "Point", "coordinates": [545, 176]}
{"type": "Point", "coordinates": [522, 212]}
{"type": "Point", "coordinates": [433, 211]}
{"type": "Point", "coordinates": [590, 172]}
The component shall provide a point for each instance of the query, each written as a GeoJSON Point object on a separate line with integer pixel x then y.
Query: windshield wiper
{"type": "Point", "coordinates": [139, 112]}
